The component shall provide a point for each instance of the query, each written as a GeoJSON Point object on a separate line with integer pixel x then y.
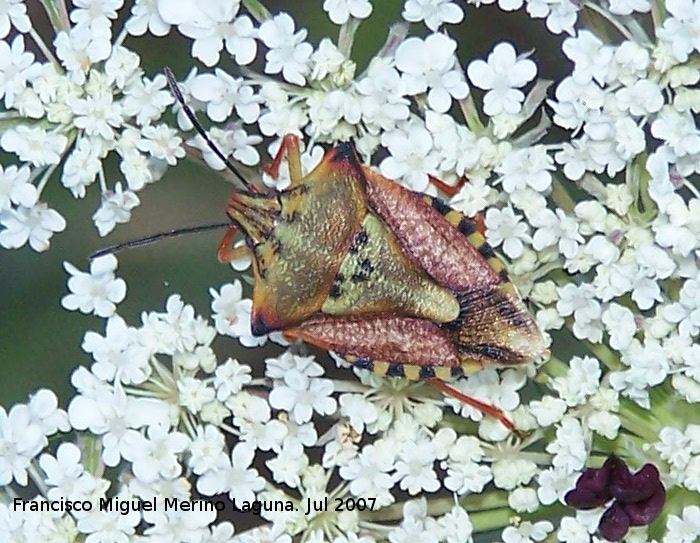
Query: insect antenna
{"type": "Point", "coordinates": [192, 116]}
{"type": "Point", "coordinates": [157, 237]}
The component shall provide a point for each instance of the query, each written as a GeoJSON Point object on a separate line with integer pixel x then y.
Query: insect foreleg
{"type": "Point", "coordinates": [290, 148]}
{"type": "Point", "coordinates": [226, 253]}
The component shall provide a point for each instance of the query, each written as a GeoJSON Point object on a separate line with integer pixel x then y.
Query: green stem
{"type": "Point", "coordinates": [561, 196]}
{"type": "Point", "coordinates": [606, 355]}
{"type": "Point", "coordinates": [37, 477]}
{"type": "Point", "coordinates": [555, 368]}
{"type": "Point", "coordinates": [622, 29]}
{"type": "Point", "coordinates": [494, 500]}
{"type": "Point", "coordinates": [44, 49]}
{"type": "Point", "coordinates": [45, 178]}
{"type": "Point", "coordinates": [658, 13]}
{"type": "Point", "coordinates": [346, 36]}
{"type": "Point", "coordinates": [57, 13]}
{"type": "Point", "coordinates": [638, 421]}
{"type": "Point", "coordinates": [471, 114]}
{"type": "Point", "coordinates": [257, 10]}
{"type": "Point", "coordinates": [90, 446]}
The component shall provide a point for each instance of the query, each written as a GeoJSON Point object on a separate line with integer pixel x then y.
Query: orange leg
{"type": "Point", "coordinates": [486, 408]}
{"type": "Point", "coordinates": [290, 148]}
{"type": "Point", "coordinates": [444, 187]}
{"type": "Point", "coordinates": [226, 253]}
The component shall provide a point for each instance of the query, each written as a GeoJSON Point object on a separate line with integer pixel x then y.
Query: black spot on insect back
{"type": "Point", "coordinates": [358, 241]}
{"type": "Point", "coordinates": [335, 291]}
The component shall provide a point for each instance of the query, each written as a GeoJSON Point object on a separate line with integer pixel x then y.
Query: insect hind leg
{"type": "Point", "coordinates": [486, 408]}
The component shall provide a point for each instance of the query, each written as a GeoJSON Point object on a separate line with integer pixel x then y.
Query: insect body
{"type": "Point", "coordinates": [394, 281]}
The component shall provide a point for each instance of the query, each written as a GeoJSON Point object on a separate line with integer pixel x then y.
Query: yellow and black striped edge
{"type": "Point", "coordinates": [411, 372]}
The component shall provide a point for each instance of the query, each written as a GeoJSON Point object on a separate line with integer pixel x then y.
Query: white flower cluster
{"type": "Point", "coordinates": [87, 99]}
{"type": "Point", "coordinates": [600, 231]}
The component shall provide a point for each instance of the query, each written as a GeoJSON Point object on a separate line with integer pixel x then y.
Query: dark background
{"type": "Point", "coordinates": [40, 342]}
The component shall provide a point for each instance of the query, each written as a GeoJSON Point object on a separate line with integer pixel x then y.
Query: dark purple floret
{"type": "Point", "coordinates": [592, 487]}
{"type": "Point", "coordinates": [637, 498]}
{"type": "Point", "coordinates": [614, 523]}
{"type": "Point", "coordinates": [643, 513]}
{"type": "Point", "coordinates": [632, 488]}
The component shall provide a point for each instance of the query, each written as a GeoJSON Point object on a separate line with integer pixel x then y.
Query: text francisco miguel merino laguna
{"type": "Point", "coordinates": [125, 506]}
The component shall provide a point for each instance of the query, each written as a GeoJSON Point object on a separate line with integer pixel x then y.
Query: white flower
{"type": "Point", "coordinates": [96, 292]}
{"type": "Point", "coordinates": [162, 142]}
{"type": "Point", "coordinates": [155, 456]}
{"type": "Point", "coordinates": [14, 12]}
{"type": "Point", "coordinates": [527, 167]}
{"type": "Point", "coordinates": [527, 532]}
{"type": "Point", "coordinates": [34, 144]}
{"type": "Point", "coordinates": [582, 380]}
{"type": "Point", "coordinates": [548, 411]}
{"type": "Point", "coordinates": [592, 59]}
{"type": "Point", "coordinates": [145, 18]}
{"type": "Point", "coordinates": [16, 68]}
{"type": "Point", "coordinates": [677, 129]}
{"type": "Point", "coordinates": [113, 415]}
{"type": "Point", "coordinates": [684, 528]}
{"type": "Point", "coordinates": [339, 11]}
{"type": "Point", "coordinates": [572, 531]}
{"type": "Point", "coordinates": [429, 66]}
{"type": "Point", "coordinates": [232, 314]}
{"type": "Point", "coordinates": [414, 468]}
{"type": "Point", "coordinates": [20, 442]}
{"type": "Point", "coordinates": [230, 378]}
{"type": "Point", "coordinates": [146, 99]}
{"type": "Point", "coordinates": [212, 25]}
{"type": "Point", "coordinates": [97, 115]}
{"type": "Point", "coordinates": [621, 326]}
{"type": "Point", "coordinates": [626, 7]}
{"type": "Point", "coordinates": [63, 471]}
{"type": "Point", "coordinates": [81, 167]}
{"type": "Point", "coordinates": [301, 397]}
{"type": "Point", "coordinates": [288, 52]}
{"type": "Point", "coordinates": [569, 448]}
{"type": "Point", "coordinates": [504, 226]}
{"type": "Point", "coordinates": [207, 450]}
{"type": "Point", "coordinates": [556, 228]}
{"type": "Point", "coordinates": [433, 12]}
{"type": "Point", "coordinates": [288, 465]}
{"type": "Point", "coordinates": [109, 525]}
{"type": "Point", "coordinates": [35, 224]}
{"type": "Point", "coordinates": [413, 157]}
{"type": "Point", "coordinates": [686, 312]}
{"type": "Point", "coordinates": [115, 209]}
{"type": "Point", "coordinates": [15, 187]}
{"type": "Point", "coordinates": [369, 472]}
{"type": "Point", "coordinates": [501, 76]}
{"type": "Point", "coordinates": [679, 30]}
{"type": "Point", "coordinates": [118, 354]}
{"type": "Point", "coordinates": [456, 526]}
{"type": "Point", "coordinates": [237, 478]}
{"type": "Point", "coordinates": [222, 93]}
{"type": "Point", "coordinates": [44, 411]}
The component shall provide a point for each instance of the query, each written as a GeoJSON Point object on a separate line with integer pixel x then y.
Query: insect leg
{"type": "Point", "coordinates": [290, 148]}
{"type": "Point", "coordinates": [226, 253]}
{"type": "Point", "coordinates": [486, 408]}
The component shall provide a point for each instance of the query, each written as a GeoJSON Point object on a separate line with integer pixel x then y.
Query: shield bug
{"type": "Point", "coordinates": [394, 281]}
